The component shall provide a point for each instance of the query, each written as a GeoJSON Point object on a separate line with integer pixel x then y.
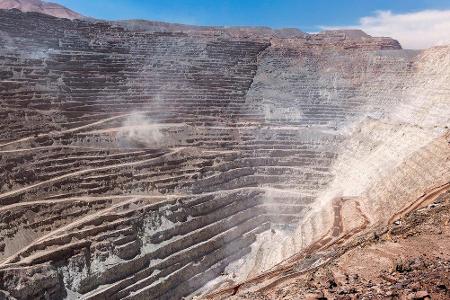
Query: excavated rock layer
{"type": "Point", "coordinates": [148, 161]}
{"type": "Point", "coordinates": [406, 260]}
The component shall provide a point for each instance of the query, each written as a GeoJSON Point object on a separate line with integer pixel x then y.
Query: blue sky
{"type": "Point", "coordinates": [307, 15]}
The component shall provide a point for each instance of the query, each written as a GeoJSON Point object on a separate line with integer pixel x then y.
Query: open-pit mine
{"type": "Point", "coordinates": [145, 160]}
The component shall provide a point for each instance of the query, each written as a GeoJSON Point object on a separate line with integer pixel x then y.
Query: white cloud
{"type": "Point", "coordinates": [417, 30]}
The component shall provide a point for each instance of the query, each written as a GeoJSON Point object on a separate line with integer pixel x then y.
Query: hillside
{"type": "Point", "coordinates": [38, 6]}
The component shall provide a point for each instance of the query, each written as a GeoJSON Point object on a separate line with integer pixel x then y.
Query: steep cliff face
{"type": "Point", "coordinates": [393, 160]}
{"type": "Point", "coordinates": [147, 160]}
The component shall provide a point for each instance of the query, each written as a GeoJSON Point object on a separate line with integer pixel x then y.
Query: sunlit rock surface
{"type": "Point", "coordinates": [43, 7]}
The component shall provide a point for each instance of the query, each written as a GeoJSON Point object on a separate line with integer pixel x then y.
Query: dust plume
{"type": "Point", "coordinates": [140, 129]}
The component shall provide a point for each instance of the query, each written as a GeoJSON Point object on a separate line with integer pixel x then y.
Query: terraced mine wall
{"type": "Point", "coordinates": [151, 162]}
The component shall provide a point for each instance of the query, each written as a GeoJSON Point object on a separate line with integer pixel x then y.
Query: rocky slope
{"type": "Point", "coordinates": [43, 7]}
{"type": "Point", "coordinates": [409, 259]}
{"type": "Point", "coordinates": [153, 161]}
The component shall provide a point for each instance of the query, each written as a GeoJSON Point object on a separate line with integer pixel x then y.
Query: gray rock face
{"type": "Point", "coordinates": [141, 163]}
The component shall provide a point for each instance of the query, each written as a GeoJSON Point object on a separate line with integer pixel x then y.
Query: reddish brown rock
{"type": "Point", "coordinates": [48, 8]}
